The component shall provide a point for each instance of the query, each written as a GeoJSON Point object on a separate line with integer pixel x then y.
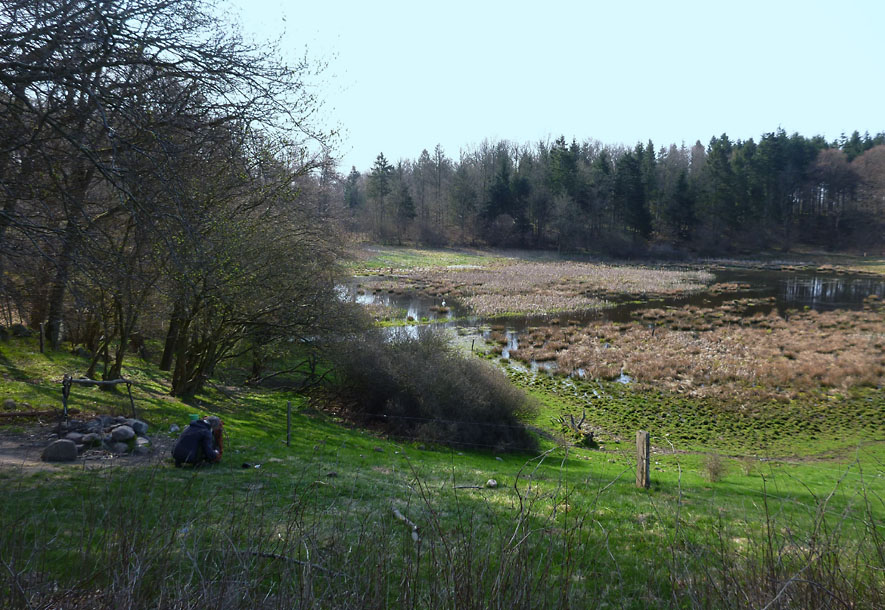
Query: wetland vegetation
{"type": "Point", "coordinates": [767, 481]}
{"type": "Point", "coordinates": [172, 215]}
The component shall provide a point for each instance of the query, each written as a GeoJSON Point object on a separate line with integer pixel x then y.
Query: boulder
{"type": "Point", "coordinates": [174, 428]}
{"type": "Point", "coordinates": [491, 483]}
{"type": "Point", "coordinates": [9, 405]}
{"type": "Point", "coordinates": [143, 450]}
{"type": "Point", "coordinates": [122, 433]}
{"type": "Point", "coordinates": [60, 451]}
{"type": "Point", "coordinates": [142, 441]}
{"type": "Point", "coordinates": [119, 447]}
{"type": "Point", "coordinates": [77, 437]}
{"type": "Point", "coordinates": [139, 426]}
{"type": "Point", "coordinates": [92, 439]}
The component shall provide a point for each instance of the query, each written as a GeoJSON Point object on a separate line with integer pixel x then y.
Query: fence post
{"type": "Point", "coordinates": [288, 422]}
{"type": "Point", "coordinates": [642, 462]}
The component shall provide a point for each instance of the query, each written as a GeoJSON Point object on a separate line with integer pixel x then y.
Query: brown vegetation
{"type": "Point", "coordinates": [539, 287]}
{"type": "Point", "coordinates": [698, 352]}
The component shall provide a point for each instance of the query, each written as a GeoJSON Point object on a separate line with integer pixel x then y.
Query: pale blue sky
{"type": "Point", "coordinates": [404, 76]}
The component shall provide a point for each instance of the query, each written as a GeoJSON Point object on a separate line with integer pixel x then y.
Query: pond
{"type": "Point", "coordinates": [781, 290]}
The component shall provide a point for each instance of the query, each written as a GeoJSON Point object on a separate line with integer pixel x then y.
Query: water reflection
{"type": "Point", "coordinates": [818, 292]}
{"type": "Point", "coordinates": [784, 290]}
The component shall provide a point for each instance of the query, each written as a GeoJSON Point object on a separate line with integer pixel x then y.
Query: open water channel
{"type": "Point", "coordinates": [789, 290]}
{"type": "Point", "coordinates": [770, 289]}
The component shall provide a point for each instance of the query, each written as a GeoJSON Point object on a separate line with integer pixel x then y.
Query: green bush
{"type": "Point", "coordinates": [420, 387]}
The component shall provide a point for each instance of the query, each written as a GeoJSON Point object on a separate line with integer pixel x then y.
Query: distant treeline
{"type": "Point", "coordinates": [781, 191]}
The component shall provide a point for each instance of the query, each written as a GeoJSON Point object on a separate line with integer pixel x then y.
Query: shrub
{"type": "Point", "coordinates": [419, 386]}
{"type": "Point", "coordinates": [714, 467]}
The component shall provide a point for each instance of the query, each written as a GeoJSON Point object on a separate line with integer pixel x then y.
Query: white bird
{"type": "Point", "coordinates": [444, 303]}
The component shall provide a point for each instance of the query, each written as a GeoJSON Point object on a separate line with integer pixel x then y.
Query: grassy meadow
{"type": "Point", "coordinates": [767, 492]}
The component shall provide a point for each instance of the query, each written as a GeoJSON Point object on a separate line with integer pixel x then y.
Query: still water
{"type": "Point", "coordinates": [781, 290]}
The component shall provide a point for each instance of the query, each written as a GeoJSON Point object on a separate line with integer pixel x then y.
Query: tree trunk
{"type": "Point", "coordinates": [57, 292]}
{"type": "Point", "coordinates": [175, 323]}
{"type": "Point", "coordinates": [68, 251]}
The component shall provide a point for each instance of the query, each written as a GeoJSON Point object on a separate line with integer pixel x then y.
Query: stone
{"type": "Point", "coordinates": [119, 447]}
{"type": "Point", "coordinates": [174, 428]}
{"type": "Point", "coordinates": [142, 441]}
{"type": "Point", "coordinates": [77, 437]}
{"type": "Point", "coordinates": [138, 426]}
{"type": "Point", "coordinates": [491, 483]}
{"type": "Point", "coordinates": [122, 433]}
{"type": "Point", "coordinates": [92, 439]}
{"type": "Point", "coordinates": [143, 450]}
{"type": "Point", "coordinates": [9, 405]}
{"type": "Point", "coordinates": [106, 420]}
{"type": "Point", "coordinates": [60, 451]}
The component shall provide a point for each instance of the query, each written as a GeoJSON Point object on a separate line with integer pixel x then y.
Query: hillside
{"type": "Point", "coordinates": [345, 517]}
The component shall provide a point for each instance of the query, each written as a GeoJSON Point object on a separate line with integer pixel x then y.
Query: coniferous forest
{"type": "Point", "coordinates": [727, 196]}
{"type": "Point", "coordinates": [160, 176]}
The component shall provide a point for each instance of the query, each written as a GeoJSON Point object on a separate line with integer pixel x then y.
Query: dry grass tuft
{"type": "Point", "coordinates": [766, 357]}
{"type": "Point", "coordinates": [539, 287]}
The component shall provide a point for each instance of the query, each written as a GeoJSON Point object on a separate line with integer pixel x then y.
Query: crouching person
{"type": "Point", "coordinates": [202, 441]}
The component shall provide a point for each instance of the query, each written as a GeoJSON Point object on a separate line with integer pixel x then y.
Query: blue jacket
{"type": "Point", "coordinates": [195, 444]}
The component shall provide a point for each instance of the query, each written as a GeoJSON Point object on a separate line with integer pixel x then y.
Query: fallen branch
{"type": "Point", "coordinates": [404, 519]}
{"type": "Point", "coordinates": [286, 558]}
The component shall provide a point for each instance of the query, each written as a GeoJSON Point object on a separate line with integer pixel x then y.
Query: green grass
{"type": "Point", "coordinates": [379, 258]}
{"type": "Point", "coordinates": [565, 528]}
{"type": "Point", "coordinates": [816, 423]}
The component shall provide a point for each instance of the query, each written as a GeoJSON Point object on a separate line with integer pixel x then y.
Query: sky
{"type": "Point", "coordinates": [404, 76]}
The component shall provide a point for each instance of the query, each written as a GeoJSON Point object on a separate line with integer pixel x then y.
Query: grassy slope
{"type": "Point", "coordinates": [565, 527]}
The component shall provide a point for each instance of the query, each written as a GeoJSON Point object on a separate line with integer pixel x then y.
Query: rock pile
{"type": "Point", "coordinates": [119, 435]}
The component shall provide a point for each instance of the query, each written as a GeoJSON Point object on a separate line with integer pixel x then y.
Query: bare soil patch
{"type": "Point", "coordinates": [22, 446]}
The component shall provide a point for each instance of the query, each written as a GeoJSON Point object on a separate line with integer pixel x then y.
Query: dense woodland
{"type": "Point", "coordinates": [728, 196]}
{"type": "Point", "coordinates": [151, 163]}
{"type": "Point", "coordinates": [163, 187]}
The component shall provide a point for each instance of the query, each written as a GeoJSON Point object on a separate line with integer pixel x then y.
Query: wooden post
{"type": "Point", "coordinates": [288, 422]}
{"type": "Point", "coordinates": [131, 401]}
{"type": "Point", "coordinates": [642, 461]}
{"type": "Point", "coordinates": [65, 392]}
{"type": "Point", "coordinates": [42, 333]}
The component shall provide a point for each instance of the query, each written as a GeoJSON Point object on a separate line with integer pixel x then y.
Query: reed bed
{"type": "Point", "coordinates": [698, 352]}
{"type": "Point", "coordinates": [543, 287]}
